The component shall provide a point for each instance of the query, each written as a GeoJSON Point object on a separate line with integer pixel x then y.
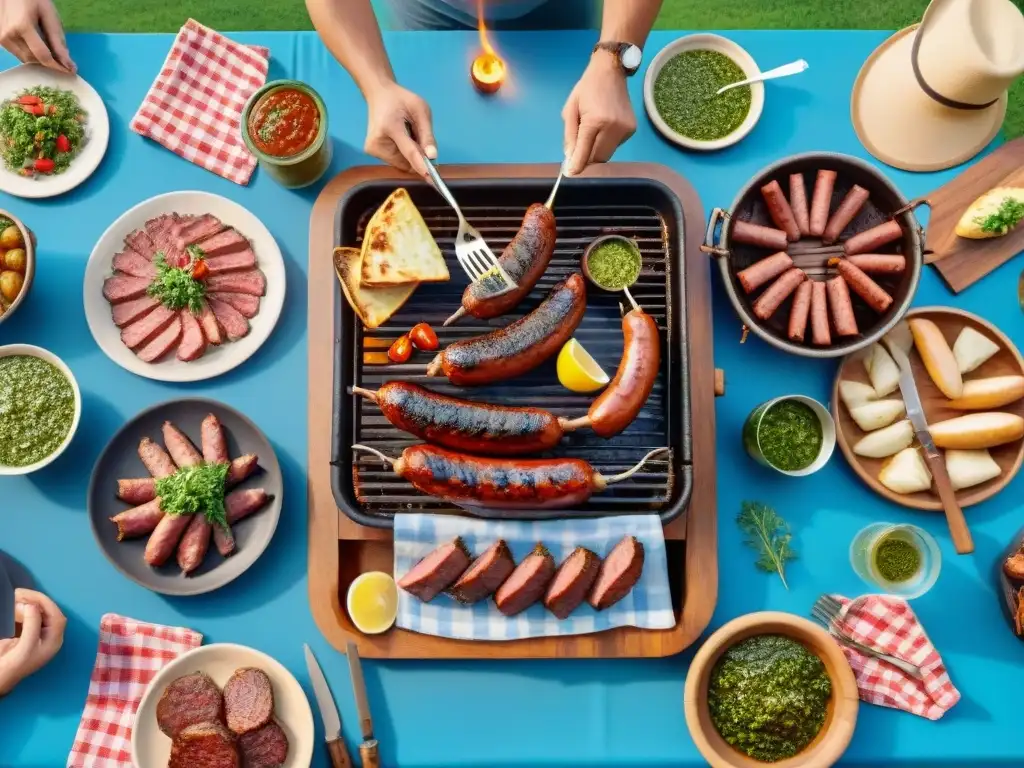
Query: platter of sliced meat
{"type": "Point", "coordinates": [183, 287]}
{"type": "Point", "coordinates": [223, 705]}
{"type": "Point", "coordinates": [185, 497]}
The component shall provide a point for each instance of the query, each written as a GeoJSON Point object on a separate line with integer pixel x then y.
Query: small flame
{"type": "Point", "coordinates": [488, 70]}
{"type": "Point", "coordinates": [485, 43]}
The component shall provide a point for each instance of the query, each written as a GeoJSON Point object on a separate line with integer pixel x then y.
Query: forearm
{"type": "Point", "coordinates": [628, 21]}
{"type": "Point", "coordinates": [350, 31]}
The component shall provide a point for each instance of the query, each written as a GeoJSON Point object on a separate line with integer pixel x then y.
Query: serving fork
{"type": "Point", "coordinates": [827, 610]}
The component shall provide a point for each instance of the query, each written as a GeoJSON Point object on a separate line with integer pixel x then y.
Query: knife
{"type": "Point", "coordinates": [368, 751]}
{"type": "Point", "coordinates": [915, 412]}
{"type": "Point", "coordinates": [328, 713]}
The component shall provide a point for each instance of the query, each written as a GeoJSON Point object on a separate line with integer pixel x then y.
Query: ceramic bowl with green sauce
{"type": "Point", "coordinates": [40, 407]}
{"type": "Point", "coordinates": [680, 92]}
{"type": "Point", "coordinates": [792, 434]}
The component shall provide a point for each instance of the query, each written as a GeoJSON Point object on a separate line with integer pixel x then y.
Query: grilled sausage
{"type": "Point", "coordinates": [520, 347]}
{"type": "Point", "coordinates": [845, 213]}
{"type": "Point", "coordinates": [464, 425]}
{"type": "Point", "coordinates": [862, 285]}
{"type": "Point", "coordinates": [842, 308]}
{"type": "Point", "coordinates": [820, 334]}
{"type": "Point", "coordinates": [798, 202]}
{"type": "Point", "coordinates": [164, 538]}
{"type": "Point", "coordinates": [180, 447]}
{"type": "Point", "coordinates": [437, 571]}
{"type": "Point", "coordinates": [618, 574]}
{"type": "Point", "coordinates": [155, 459]}
{"type": "Point", "coordinates": [871, 239]}
{"type": "Point", "coordinates": [194, 544]}
{"type": "Point", "coordinates": [136, 490]}
{"type": "Point", "coordinates": [486, 574]}
{"type": "Point", "coordinates": [215, 447]}
{"type": "Point", "coordinates": [800, 312]}
{"type": "Point", "coordinates": [617, 407]}
{"type": "Point", "coordinates": [821, 201]}
{"type": "Point", "coordinates": [138, 521]}
{"type": "Point", "coordinates": [780, 211]}
{"type": "Point", "coordinates": [760, 272]}
{"type": "Point", "coordinates": [879, 263]}
{"type": "Point", "coordinates": [755, 234]}
{"type": "Point", "coordinates": [527, 582]}
{"type": "Point", "coordinates": [778, 292]}
{"type": "Point", "coordinates": [572, 582]}
{"type": "Point", "coordinates": [524, 260]}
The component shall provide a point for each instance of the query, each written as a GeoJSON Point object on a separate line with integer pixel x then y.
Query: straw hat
{"type": "Point", "coordinates": [934, 95]}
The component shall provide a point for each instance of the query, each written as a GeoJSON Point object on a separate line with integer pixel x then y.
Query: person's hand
{"type": "Point", "coordinates": [42, 634]}
{"type": "Point", "coordinates": [598, 114]}
{"type": "Point", "coordinates": [31, 30]}
{"type": "Point", "coordinates": [391, 108]}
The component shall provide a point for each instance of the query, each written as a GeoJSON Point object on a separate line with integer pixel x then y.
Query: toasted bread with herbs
{"type": "Point", "coordinates": [993, 214]}
{"type": "Point", "coordinates": [398, 247]}
{"type": "Point", "coordinates": [375, 306]}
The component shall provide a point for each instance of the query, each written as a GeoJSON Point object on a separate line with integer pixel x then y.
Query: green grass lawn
{"type": "Point", "coordinates": [225, 15]}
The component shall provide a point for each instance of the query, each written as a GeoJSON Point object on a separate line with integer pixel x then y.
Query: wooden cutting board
{"type": "Point", "coordinates": [962, 262]}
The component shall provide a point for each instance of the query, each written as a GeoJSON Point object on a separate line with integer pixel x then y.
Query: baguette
{"type": "Point", "coordinates": [993, 214]}
{"type": "Point", "coordinates": [886, 442]}
{"type": "Point", "coordinates": [970, 468]}
{"type": "Point", "coordinates": [854, 393]}
{"type": "Point", "coordinates": [937, 357]}
{"type": "Point", "coordinates": [971, 349]}
{"type": "Point", "coordinates": [906, 472]}
{"type": "Point", "coordinates": [985, 394]}
{"type": "Point", "coordinates": [877, 414]}
{"type": "Point", "coordinates": [978, 430]}
{"type": "Point", "coordinates": [882, 370]}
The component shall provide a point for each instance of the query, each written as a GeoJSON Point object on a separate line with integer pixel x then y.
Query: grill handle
{"type": "Point", "coordinates": [712, 246]}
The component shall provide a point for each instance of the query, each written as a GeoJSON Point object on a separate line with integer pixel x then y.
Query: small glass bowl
{"type": "Point", "coordinates": [861, 558]}
{"type": "Point", "coordinates": [752, 428]}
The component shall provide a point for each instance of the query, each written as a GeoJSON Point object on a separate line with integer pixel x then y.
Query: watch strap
{"type": "Point", "coordinates": [617, 49]}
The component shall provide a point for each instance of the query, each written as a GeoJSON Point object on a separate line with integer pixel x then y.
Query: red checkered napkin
{"type": "Point", "coordinates": [194, 107]}
{"type": "Point", "coordinates": [130, 654]}
{"type": "Point", "coordinates": [887, 624]}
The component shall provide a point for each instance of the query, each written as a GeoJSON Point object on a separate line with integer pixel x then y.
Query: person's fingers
{"type": "Point", "coordinates": [18, 48]}
{"type": "Point", "coordinates": [52, 615]}
{"type": "Point", "coordinates": [40, 51]}
{"type": "Point", "coordinates": [605, 145]}
{"type": "Point", "coordinates": [423, 128]}
{"type": "Point", "coordinates": [584, 148]}
{"type": "Point", "coordinates": [28, 640]}
{"type": "Point", "coordinates": [384, 149]}
{"type": "Point", "coordinates": [571, 116]}
{"type": "Point", "coordinates": [54, 31]}
{"type": "Point", "coordinates": [411, 151]}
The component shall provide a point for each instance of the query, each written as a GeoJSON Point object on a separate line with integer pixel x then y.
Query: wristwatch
{"type": "Point", "coordinates": [628, 55]}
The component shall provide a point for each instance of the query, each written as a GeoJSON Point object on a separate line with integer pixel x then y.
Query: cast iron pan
{"type": "Point", "coordinates": [808, 253]}
{"type": "Point", "coordinates": [120, 459]}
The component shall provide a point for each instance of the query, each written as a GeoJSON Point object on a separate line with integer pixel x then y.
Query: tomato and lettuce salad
{"type": "Point", "coordinates": [42, 129]}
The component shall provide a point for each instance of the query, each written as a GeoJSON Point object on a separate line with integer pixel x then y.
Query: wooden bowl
{"type": "Point", "coordinates": [30, 264]}
{"type": "Point", "coordinates": [834, 736]}
{"type": "Point", "coordinates": [1006, 362]}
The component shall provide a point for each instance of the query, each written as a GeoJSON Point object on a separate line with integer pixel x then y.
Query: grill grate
{"type": "Point", "coordinates": [371, 494]}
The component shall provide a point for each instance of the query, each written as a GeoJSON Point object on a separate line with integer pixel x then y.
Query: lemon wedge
{"type": "Point", "coordinates": [373, 602]}
{"type": "Point", "coordinates": [577, 370]}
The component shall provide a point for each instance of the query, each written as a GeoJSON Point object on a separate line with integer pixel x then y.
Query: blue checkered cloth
{"type": "Point", "coordinates": [649, 605]}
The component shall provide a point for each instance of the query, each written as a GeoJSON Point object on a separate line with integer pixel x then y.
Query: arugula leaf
{"type": "Point", "coordinates": [1009, 215]}
{"type": "Point", "coordinates": [175, 287]}
{"type": "Point", "coordinates": [769, 535]}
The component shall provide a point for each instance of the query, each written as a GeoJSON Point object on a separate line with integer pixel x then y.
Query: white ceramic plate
{"type": "Point", "coordinates": [97, 131]}
{"type": "Point", "coordinates": [705, 42]}
{"type": "Point", "coordinates": [216, 360]}
{"type": "Point", "coordinates": [151, 747]}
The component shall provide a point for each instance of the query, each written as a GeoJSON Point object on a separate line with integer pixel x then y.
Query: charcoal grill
{"type": "Point", "coordinates": [643, 209]}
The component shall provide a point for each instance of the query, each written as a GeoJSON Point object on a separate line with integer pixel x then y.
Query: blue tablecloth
{"type": "Point", "coordinates": [620, 713]}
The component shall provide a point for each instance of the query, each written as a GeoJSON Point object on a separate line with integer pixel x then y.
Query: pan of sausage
{"type": "Point", "coordinates": [820, 254]}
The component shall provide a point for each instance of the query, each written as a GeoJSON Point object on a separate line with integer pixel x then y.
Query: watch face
{"type": "Point", "coordinates": [630, 57]}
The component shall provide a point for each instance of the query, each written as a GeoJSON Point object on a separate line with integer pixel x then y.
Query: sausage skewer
{"type": "Point", "coordinates": [780, 211]}
{"type": "Point", "coordinates": [862, 285]}
{"type": "Point", "coordinates": [778, 292]}
{"type": "Point", "coordinates": [502, 483]}
{"type": "Point", "coordinates": [798, 202]}
{"type": "Point", "coordinates": [842, 307]}
{"type": "Point", "coordinates": [845, 213]}
{"type": "Point", "coordinates": [821, 201]}
{"type": "Point", "coordinates": [755, 234]}
{"type": "Point", "coordinates": [874, 238]}
{"type": "Point", "coordinates": [763, 270]}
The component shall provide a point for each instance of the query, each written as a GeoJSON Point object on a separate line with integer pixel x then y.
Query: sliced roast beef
{"type": "Point", "coordinates": [183, 451]}
{"type": "Point", "coordinates": [148, 327]}
{"type": "Point", "coordinates": [264, 748]}
{"type": "Point", "coordinates": [162, 344]}
{"type": "Point", "coordinates": [231, 262]}
{"type": "Point", "coordinates": [618, 574]}
{"type": "Point", "coordinates": [248, 306]}
{"type": "Point", "coordinates": [248, 700]}
{"type": "Point", "coordinates": [211, 328]}
{"type": "Point", "coordinates": [228, 241]}
{"type": "Point", "coordinates": [131, 263]}
{"type": "Point", "coordinates": [252, 282]}
{"type": "Point", "coordinates": [197, 229]}
{"type": "Point", "coordinates": [572, 582]}
{"type": "Point", "coordinates": [141, 243]}
{"type": "Point", "coordinates": [193, 341]}
{"type": "Point", "coordinates": [130, 311]}
{"type": "Point", "coordinates": [231, 320]}
{"type": "Point", "coordinates": [437, 571]}
{"type": "Point", "coordinates": [485, 575]}
{"type": "Point", "coordinates": [527, 582]}
{"type": "Point", "coordinates": [205, 745]}
{"type": "Point", "coordinates": [120, 288]}
{"type": "Point", "coordinates": [189, 700]}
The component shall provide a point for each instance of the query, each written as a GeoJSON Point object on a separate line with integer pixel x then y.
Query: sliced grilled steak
{"type": "Point", "coordinates": [265, 748]}
{"type": "Point", "coordinates": [211, 328]}
{"type": "Point", "coordinates": [618, 574]}
{"type": "Point", "coordinates": [148, 328]}
{"type": "Point", "coordinates": [572, 582]}
{"type": "Point", "coordinates": [134, 264]}
{"type": "Point", "coordinates": [205, 745]}
{"type": "Point", "coordinates": [527, 582]}
{"type": "Point", "coordinates": [486, 574]}
{"type": "Point", "coordinates": [228, 241]}
{"type": "Point", "coordinates": [199, 229]}
{"type": "Point", "coordinates": [437, 571]}
{"type": "Point", "coordinates": [193, 341]}
{"type": "Point", "coordinates": [161, 344]}
{"type": "Point", "coordinates": [120, 288]}
{"type": "Point", "coordinates": [231, 320]}
{"type": "Point", "coordinates": [248, 700]}
{"type": "Point", "coordinates": [248, 306]}
{"type": "Point", "coordinates": [231, 262]}
{"type": "Point", "coordinates": [189, 700]}
{"type": "Point", "coordinates": [130, 311]}
{"type": "Point", "coordinates": [141, 243]}
{"type": "Point", "coordinates": [251, 282]}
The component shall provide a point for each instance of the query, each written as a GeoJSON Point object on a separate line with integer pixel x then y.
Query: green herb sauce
{"type": "Point", "coordinates": [614, 265]}
{"type": "Point", "coordinates": [789, 435]}
{"type": "Point", "coordinates": [768, 696]}
{"type": "Point", "coordinates": [175, 287]}
{"type": "Point", "coordinates": [37, 408]}
{"type": "Point", "coordinates": [194, 490]}
{"type": "Point", "coordinates": [896, 559]}
{"type": "Point", "coordinates": [685, 95]}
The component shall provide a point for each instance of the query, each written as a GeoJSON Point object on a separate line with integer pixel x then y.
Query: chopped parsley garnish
{"type": "Point", "coordinates": [198, 489]}
{"type": "Point", "coordinates": [1009, 215]}
{"type": "Point", "coordinates": [175, 287]}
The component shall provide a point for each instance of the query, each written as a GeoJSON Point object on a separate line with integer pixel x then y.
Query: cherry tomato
{"type": "Point", "coordinates": [29, 99]}
{"type": "Point", "coordinates": [63, 144]}
{"type": "Point", "coordinates": [44, 165]}
{"type": "Point", "coordinates": [423, 337]}
{"type": "Point", "coordinates": [401, 350]}
{"type": "Point", "coordinates": [34, 109]}
{"type": "Point", "coordinates": [200, 270]}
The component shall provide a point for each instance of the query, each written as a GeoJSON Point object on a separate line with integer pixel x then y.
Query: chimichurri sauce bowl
{"type": "Point", "coordinates": [679, 92]}
{"type": "Point", "coordinates": [40, 407]}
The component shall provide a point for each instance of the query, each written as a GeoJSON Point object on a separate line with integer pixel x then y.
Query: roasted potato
{"type": "Point", "coordinates": [10, 284]}
{"type": "Point", "coordinates": [15, 259]}
{"type": "Point", "coordinates": [11, 238]}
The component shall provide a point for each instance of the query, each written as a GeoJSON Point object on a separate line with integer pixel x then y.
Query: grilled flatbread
{"type": "Point", "coordinates": [993, 214]}
{"type": "Point", "coordinates": [373, 305]}
{"type": "Point", "coordinates": [398, 246]}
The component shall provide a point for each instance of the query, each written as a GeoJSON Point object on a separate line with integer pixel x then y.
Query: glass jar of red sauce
{"type": "Point", "coordinates": [284, 124]}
